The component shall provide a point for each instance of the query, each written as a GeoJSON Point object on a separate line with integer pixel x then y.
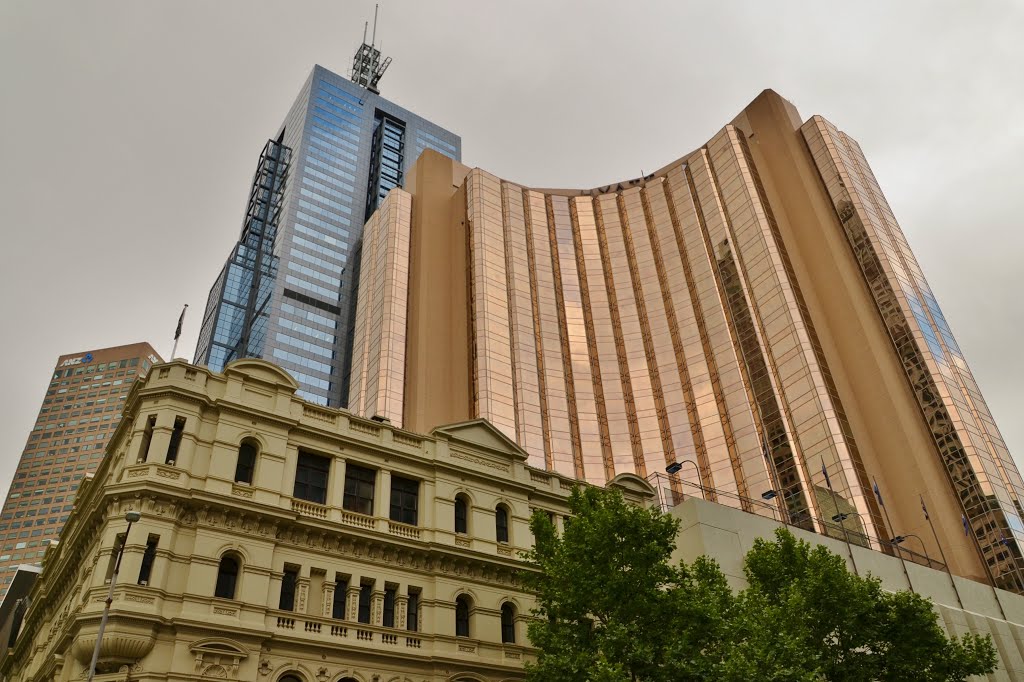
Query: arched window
{"type": "Point", "coordinates": [227, 577]}
{"type": "Point", "coordinates": [246, 465]}
{"type": "Point", "coordinates": [290, 678]}
{"type": "Point", "coordinates": [501, 523]}
{"type": "Point", "coordinates": [508, 623]}
{"type": "Point", "coordinates": [461, 514]}
{"type": "Point", "coordinates": [462, 606]}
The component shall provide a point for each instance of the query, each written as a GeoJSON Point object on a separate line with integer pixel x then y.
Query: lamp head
{"type": "Point", "coordinates": [132, 516]}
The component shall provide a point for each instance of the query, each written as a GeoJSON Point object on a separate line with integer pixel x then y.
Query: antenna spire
{"type": "Point", "coordinates": [367, 65]}
{"type": "Point", "coordinates": [373, 41]}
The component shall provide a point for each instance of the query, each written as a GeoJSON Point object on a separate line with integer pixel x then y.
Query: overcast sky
{"type": "Point", "coordinates": [129, 132]}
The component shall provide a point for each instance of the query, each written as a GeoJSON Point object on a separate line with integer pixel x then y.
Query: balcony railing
{"type": "Point", "coordinates": [321, 628]}
{"type": "Point", "coordinates": [672, 490]}
{"type": "Point", "coordinates": [317, 511]}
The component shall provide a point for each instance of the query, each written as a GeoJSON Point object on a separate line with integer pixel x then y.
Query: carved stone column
{"type": "Point", "coordinates": [377, 608]}
{"type": "Point", "coordinates": [401, 606]}
{"type": "Point", "coordinates": [301, 594]}
{"type": "Point", "coordinates": [327, 604]}
{"type": "Point", "coordinates": [352, 603]}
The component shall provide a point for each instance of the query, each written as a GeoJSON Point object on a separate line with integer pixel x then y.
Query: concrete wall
{"type": "Point", "coordinates": [727, 535]}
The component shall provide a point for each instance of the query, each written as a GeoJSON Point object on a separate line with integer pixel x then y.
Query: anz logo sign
{"type": "Point", "coordinates": [85, 359]}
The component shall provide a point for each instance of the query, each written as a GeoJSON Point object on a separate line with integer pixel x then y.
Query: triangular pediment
{"type": "Point", "coordinates": [482, 434]}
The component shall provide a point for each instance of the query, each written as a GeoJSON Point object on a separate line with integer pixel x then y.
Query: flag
{"type": "Point", "coordinates": [967, 531]}
{"type": "Point", "coordinates": [181, 321]}
{"type": "Point", "coordinates": [924, 508]}
{"type": "Point", "coordinates": [824, 471]}
{"type": "Point", "coordinates": [878, 493]}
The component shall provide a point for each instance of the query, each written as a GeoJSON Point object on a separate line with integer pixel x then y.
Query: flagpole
{"type": "Point", "coordinates": [177, 332]}
{"type": "Point", "coordinates": [942, 554]}
{"type": "Point", "coordinates": [839, 515]}
{"type": "Point", "coordinates": [892, 534]}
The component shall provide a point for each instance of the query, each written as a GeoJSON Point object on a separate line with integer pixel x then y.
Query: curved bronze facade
{"type": "Point", "coordinates": [751, 311]}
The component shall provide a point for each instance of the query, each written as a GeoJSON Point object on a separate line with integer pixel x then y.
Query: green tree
{"type": "Point", "coordinates": [612, 608]}
{"type": "Point", "coordinates": [852, 627]}
{"type": "Point", "coordinates": [610, 605]}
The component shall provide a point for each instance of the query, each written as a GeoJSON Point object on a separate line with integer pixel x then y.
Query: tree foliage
{"type": "Point", "coordinates": [612, 608]}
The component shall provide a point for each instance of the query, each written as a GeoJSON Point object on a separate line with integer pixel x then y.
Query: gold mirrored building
{"type": "Point", "coordinates": [752, 312]}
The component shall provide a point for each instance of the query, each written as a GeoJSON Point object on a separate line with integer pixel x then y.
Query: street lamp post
{"type": "Point", "coordinates": [131, 517]}
{"type": "Point", "coordinates": [896, 540]}
{"type": "Point", "coordinates": [676, 466]}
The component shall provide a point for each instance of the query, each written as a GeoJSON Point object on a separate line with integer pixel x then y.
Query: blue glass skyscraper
{"type": "Point", "coordinates": [288, 291]}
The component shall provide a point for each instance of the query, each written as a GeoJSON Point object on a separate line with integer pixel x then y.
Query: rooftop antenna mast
{"type": "Point", "coordinates": [367, 66]}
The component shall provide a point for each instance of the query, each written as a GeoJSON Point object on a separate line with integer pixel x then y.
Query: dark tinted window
{"type": "Point", "coordinates": [359, 483]}
{"type": "Point", "coordinates": [462, 616]}
{"type": "Point", "coordinates": [175, 444]}
{"type": "Point", "coordinates": [246, 463]}
{"type": "Point", "coordinates": [461, 515]}
{"type": "Point", "coordinates": [340, 595]}
{"type": "Point", "coordinates": [287, 602]}
{"type": "Point", "coordinates": [508, 624]}
{"type": "Point", "coordinates": [311, 478]}
{"type": "Point", "coordinates": [404, 500]}
{"type": "Point", "coordinates": [365, 596]}
{"type": "Point", "coordinates": [412, 612]}
{"type": "Point", "coordinates": [501, 524]}
{"type": "Point", "coordinates": [227, 578]}
{"type": "Point", "coordinates": [147, 559]}
{"type": "Point", "coordinates": [389, 607]}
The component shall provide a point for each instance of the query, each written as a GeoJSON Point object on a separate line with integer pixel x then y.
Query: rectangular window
{"type": "Point", "coordinates": [365, 597]}
{"type": "Point", "coordinates": [311, 478]}
{"type": "Point", "coordinates": [389, 607]}
{"type": "Point", "coordinates": [340, 597]}
{"type": "Point", "coordinates": [359, 484]}
{"type": "Point", "coordinates": [291, 575]}
{"type": "Point", "coordinates": [147, 559]}
{"type": "Point", "coordinates": [172, 447]}
{"type": "Point", "coordinates": [111, 563]}
{"type": "Point", "coordinates": [404, 499]}
{"type": "Point", "coordinates": [147, 437]}
{"type": "Point", "coordinates": [246, 464]}
{"type": "Point", "coordinates": [412, 611]}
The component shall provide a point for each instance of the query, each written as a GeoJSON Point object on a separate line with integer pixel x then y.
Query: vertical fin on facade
{"type": "Point", "coordinates": [526, 383]}
{"type": "Point", "coordinates": [575, 348]}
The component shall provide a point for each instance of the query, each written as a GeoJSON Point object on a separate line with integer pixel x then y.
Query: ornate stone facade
{"type": "Point", "coordinates": [301, 553]}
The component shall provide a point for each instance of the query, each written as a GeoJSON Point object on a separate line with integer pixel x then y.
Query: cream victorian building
{"type": "Point", "coordinates": [284, 542]}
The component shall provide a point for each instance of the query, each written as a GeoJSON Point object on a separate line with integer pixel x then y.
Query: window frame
{"type": "Point", "coordinates": [305, 488]}
{"type": "Point", "coordinates": [501, 524]}
{"type": "Point", "coordinates": [340, 597]}
{"type": "Point", "coordinates": [365, 595]}
{"type": "Point", "coordinates": [400, 509]}
{"type": "Point", "coordinates": [248, 453]}
{"type": "Point", "coordinates": [148, 559]}
{"type": "Point", "coordinates": [388, 609]}
{"type": "Point", "coordinates": [461, 501]}
{"type": "Point", "coordinates": [463, 609]}
{"type": "Point", "coordinates": [357, 479]}
{"type": "Point", "coordinates": [289, 587]}
{"type": "Point", "coordinates": [217, 591]}
{"type": "Point", "coordinates": [508, 629]}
